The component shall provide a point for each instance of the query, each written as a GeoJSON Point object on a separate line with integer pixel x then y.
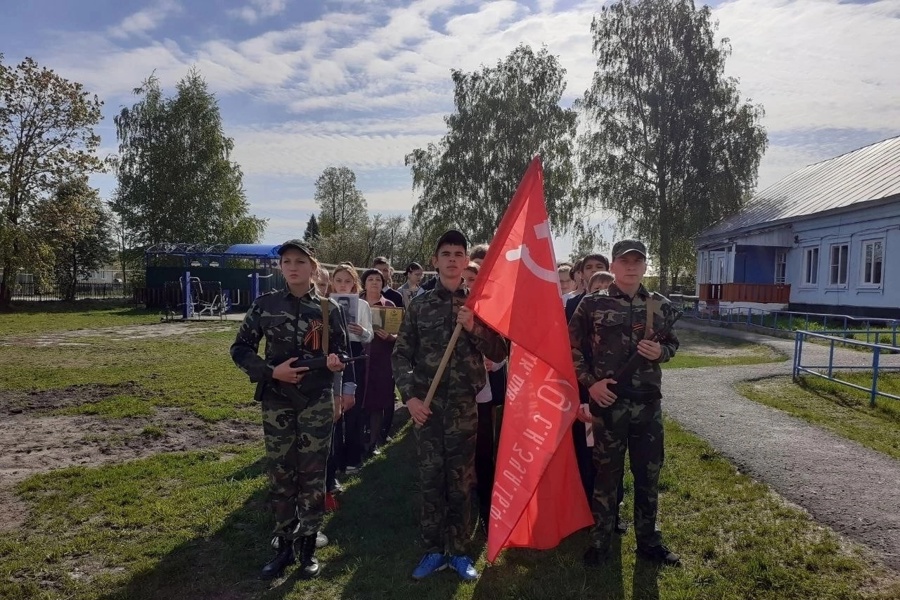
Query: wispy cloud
{"type": "Point", "coordinates": [257, 10]}
{"type": "Point", "coordinates": [144, 21]}
{"type": "Point", "coordinates": [365, 82]}
{"type": "Point", "coordinates": [305, 149]}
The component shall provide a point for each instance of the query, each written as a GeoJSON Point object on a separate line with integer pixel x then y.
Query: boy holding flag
{"type": "Point", "coordinates": [445, 431]}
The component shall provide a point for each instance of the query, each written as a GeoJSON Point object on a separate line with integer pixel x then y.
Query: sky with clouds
{"type": "Point", "coordinates": [305, 84]}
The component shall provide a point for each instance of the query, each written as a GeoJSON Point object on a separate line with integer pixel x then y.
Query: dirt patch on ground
{"type": "Point", "coordinates": [14, 402]}
{"type": "Point", "coordinates": [117, 334]}
{"type": "Point", "coordinates": [32, 443]}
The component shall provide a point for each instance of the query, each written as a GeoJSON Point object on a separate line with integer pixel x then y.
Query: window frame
{"type": "Point", "coordinates": [804, 281]}
{"type": "Point", "coordinates": [862, 263]}
{"type": "Point", "coordinates": [781, 261]}
{"type": "Point", "coordinates": [839, 284]}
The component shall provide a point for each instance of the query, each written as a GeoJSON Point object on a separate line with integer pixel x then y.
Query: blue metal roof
{"type": "Point", "coordinates": [864, 175]}
{"type": "Point", "coordinates": [253, 251]}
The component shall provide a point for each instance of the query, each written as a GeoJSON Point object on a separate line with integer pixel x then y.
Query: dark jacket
{"type": "Point", "coordinates": [608, 325]}
{"type": "Point", "coordinates": [393, 295]}
{"type": "Point", "coordinates": [424, 335]}
{"type": "Point", "coordinates": [293, 328]}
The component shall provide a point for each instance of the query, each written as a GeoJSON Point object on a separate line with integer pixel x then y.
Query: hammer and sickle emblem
{"type": "Point", "coordinates": [521, 253]}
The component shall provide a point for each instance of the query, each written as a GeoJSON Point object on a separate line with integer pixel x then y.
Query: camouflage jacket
{"type": "Point", "coordinates": [424, 335]}
{"type": "Point", "coordinates": [605, 330]}
{"type": "Point", "coordinates": [292, 327]}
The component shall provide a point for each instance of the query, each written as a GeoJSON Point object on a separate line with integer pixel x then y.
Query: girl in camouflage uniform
{"type": "Point", "coordinates": [298, 404]}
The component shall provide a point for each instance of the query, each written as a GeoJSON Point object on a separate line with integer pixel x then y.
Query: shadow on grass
{"type": "Point", "coordinates": [374, 548]}
{"type": "Point", "coordinates": [223, 566]}
{"type": "Point", "coordinates": [375, 531]}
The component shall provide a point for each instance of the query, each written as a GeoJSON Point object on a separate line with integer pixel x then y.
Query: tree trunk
{"type": "Point", "coordinates": [5, 288]}
{"type": "Point", "coordinates": [73, 283]}
{"type": "Point", "coordinates": [665, 238]}
{"type": "Point", "coordinates": [9, 280]}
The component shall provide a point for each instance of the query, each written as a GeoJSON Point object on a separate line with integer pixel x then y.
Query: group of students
{"type": "Point", "coordinates": [315, 417]}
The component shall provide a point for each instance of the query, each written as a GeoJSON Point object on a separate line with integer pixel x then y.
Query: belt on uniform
{"type": "Point", "coordinates": [637, 394]}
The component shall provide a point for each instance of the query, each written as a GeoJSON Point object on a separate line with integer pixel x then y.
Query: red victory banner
{"type": "Point", "coordinates": [538, 498]}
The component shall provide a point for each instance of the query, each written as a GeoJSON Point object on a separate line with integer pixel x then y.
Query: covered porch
{"type": "Point", "coordinates": [749, 269]}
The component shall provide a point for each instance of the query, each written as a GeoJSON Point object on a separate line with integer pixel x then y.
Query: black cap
{"type": "Point", "coordinates": [452, 237]}
{"type": "Point", "coordinates": [625, 246]}
{"type": "Point", "coordinates": [299, 245]}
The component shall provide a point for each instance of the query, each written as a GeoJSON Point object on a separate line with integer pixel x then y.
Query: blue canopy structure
{"type": "Point", "coordinates": [206, 253]}
{"type": "Point", "coordinates": [253, 251]}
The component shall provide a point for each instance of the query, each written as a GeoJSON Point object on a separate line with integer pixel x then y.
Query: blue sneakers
{"type": "Point", "coordinates": [464, 567]}
{"type": "Point", "coordinates": [429, 564]}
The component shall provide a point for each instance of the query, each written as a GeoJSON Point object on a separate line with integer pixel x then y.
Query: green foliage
{"type": "Point", "coordinates": [46, 138]}
{"type": "Point", "coordinates": [342, 205]}
{"type": "Point", "coordinates": [670, 148]}
{"type": "Point", "coordinates": [75, 227]}
{"type": "Point", "coordinates": [392, 237]}
{"type": "Point", "coordinates": [505, 114]}
{"type": "Point", "coordinates": [311, 234]}
{"type": "Point", "coordinates": [176, 180]}
{"type": "Point", "coordinates": [345, 232]}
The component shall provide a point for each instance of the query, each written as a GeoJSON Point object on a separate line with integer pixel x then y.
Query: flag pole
{"type": "Point", "coordinates": [443, 366]}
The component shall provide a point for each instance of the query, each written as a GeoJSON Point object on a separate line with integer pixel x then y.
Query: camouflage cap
{"type": "Point", "coordinates": [453, 237]}
{"type": "Point", "coordinates": [298, 245]}
{"type": "Point", "coordinates": [623, 247]}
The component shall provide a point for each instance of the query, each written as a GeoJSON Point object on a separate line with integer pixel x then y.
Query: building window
{"type": "Point", "coordinates": [873, 261]}
{"type": "Point", "coordinates": [781, 266]}
{"type": "Point", "coordinates": [837, 274]}
{"type": "Point", "coordinates": [811, 266]}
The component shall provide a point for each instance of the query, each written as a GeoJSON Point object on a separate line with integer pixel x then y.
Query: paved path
{"type": "Point", "coordinates": [852, 489]}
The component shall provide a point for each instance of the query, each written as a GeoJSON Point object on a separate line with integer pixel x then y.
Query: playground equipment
{"type": "Point", "coordinates": [194, 298]}
{"type": "Point", "coordinates": [238, 274]}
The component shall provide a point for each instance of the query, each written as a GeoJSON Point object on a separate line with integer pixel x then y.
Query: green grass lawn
{"type": "Point", "coordinates": [700, 349]}
{"type": "Point", "coordinates": [193, 525]}
{"type": "Point", "coordinates": [840, 409]}
{"type": "Point", "coordinates": [44, 317]}
{"type": "Point", "coordinates": [194, 372]}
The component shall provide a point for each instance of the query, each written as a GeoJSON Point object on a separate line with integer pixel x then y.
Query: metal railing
{"type": "Point", "coordinates": [829, 369]}
{"type": "Point", "coordinates": [786, 320]}
{"type": "Point", "coordinates": [30, 292]}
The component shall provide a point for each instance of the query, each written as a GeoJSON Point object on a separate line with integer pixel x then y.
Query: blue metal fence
{"type": "Point", "coordinates": [787, 320]}
{"type": "Point", "coordinates": [817, 370]}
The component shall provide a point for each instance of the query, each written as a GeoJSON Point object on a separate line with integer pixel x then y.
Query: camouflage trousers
{"type": "Point", "coordinates": [298, 440]}
{"type": "Point", "coordinates": [445, 446]}
{"type": "Point", "coordinates": [637, 426]}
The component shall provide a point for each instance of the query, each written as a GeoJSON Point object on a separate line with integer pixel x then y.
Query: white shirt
{"type": "Point", "coordinates": [364, 320]}
{"type": "Point", "coordinates": [485, 395]}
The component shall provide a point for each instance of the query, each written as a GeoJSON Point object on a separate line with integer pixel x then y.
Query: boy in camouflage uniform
{"type": "Point", "coordinates": [298, 405]}
{"type": "Point", "coordinates": [606, 329]}
{"type": "Point", "coordinates": [445, 433]}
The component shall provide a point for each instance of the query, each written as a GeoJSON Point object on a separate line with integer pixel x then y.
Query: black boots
{"type": "Point", "coordinates": [285, 557]}
{"type": "Point", "coordinates": [660, 555]}
{"type": "Point", "coordinates": [306, 547]}
{"type": "Point", "coordinates": [306, 550]}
